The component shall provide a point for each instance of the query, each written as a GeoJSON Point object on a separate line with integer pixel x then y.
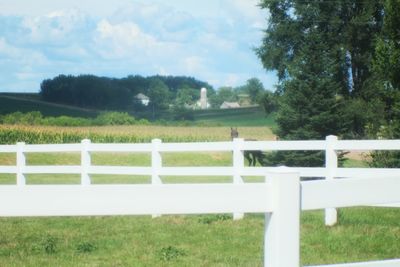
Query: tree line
{"type": "Point", "coordinates": [103, 93]}
{"type": "Point", "coordinates": [171, 97]}
{"type": "Point", "coordinates": [338, 64]}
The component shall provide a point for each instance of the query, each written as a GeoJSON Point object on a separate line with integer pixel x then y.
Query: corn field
{"type": "Point", "coordinates": [10, 134]}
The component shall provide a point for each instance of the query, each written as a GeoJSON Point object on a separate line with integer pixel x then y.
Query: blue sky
{"type": "Point", "coordinates": [211, 40]}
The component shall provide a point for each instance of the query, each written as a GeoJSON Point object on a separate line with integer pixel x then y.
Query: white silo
{"type": "Point", "coordinates": [203, 98]}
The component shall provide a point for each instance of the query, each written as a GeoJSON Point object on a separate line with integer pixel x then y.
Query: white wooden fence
{"type": "Point", "coordinates": [281, 197]}
{"type": "Point", "coordinates": [331, 171]}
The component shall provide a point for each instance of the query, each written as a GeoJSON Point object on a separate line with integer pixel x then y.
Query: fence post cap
{"type": "Point", "coordinates": [331, 137]}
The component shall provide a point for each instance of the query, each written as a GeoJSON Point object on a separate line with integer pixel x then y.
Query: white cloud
{"type": "Point", "coordinates": [213, 41]}
{"type": "Point", "coordinates": [7, 51]}
{"type": "Point", "coordinates": [56, 28]}
{"type": "Point", "coordinates": [127, 41]}
{"type": "Point", "coordinates": [232, 79]}
{"type": "Point", "coordinates": [42, 7]}
{"type": "Point", "coordinates": [210, 40]}
{"type": "Point", "coordinates": [121, 40]}
{"type": "Point", "coordinates": [194, 64]}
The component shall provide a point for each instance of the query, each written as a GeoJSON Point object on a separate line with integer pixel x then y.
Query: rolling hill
{"type": "Point", "coordinates": [248, 116]}
{"type": "Point", "coordinates": [10, 103]}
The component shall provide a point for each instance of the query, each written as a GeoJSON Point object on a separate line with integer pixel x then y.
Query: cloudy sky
{"type": "Point", "coordinates": [211, 40]}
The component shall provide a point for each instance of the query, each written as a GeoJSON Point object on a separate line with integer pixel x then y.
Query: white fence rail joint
{"type": "Point", "coordinates": [86, 162]}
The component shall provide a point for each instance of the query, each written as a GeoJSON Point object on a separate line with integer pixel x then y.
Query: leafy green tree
{"type": "Point", "coordinates": [269, 101]}
{"type": "Point", "coordinates": [339, 33]}
{"type": "Point", "coordinates": [86, 91]}
{"type": "Point", "coordinates": [186, 96]}
{"type": "Point", "coordinates": [321, 62]}
{"type": "Point", "coordinates": [159, 97]}
{"type": "Point", "coordinates": [349, 27]}
{"type": "Point", "coordinates": [225, 93]}
{"type": "Point", "coordinates": [254, 88]}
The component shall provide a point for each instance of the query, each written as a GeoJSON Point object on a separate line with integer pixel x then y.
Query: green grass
{"type": "Point", "coordinates": [363, 233]}
{"type": "Point", "coordinates": [252, 116]}
{"type": "Point", "coordinates": [207, 240]}
{"type": "Point", "coordinates": [249, 116]}
{"type": "Point", "coordinates": [13, 103]}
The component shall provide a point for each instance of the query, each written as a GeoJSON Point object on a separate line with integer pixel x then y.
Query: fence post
{"type": "Point", "coordinates": [21, 163]}
{"type": "Point", "coordinates": [85, 162]}
{"type": "Point", "coordinates": [282, 226]}
{"type": "Point", "coordinates": [331, 163]}
{"type": "Point", "coordinates": [238, 165]}
{"type": "Point", "coordinates": [156, 165]}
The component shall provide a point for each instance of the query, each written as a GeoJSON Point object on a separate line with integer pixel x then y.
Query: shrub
{"type": "Point", "coordinates": [114, 118]}
{"type": "Point", "coordinates": [30, 118]}
{"type": "Point", "coordinates": [170, 253]}
{"type": "Point", "coordinates": [209, 219]}
{"type": "Point", "coordinates": [49, 244]}
{"type": "Point", "coordinates": [85, 247]}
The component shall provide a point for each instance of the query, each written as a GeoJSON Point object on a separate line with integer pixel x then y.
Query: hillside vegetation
{"type": "Point", "coordinates": [251, 116]}
{"type": "Point", "coordinates": [10, 103]}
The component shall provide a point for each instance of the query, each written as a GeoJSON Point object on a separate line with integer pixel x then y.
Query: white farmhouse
{"type": "Point", "coordinates": [143, 99]}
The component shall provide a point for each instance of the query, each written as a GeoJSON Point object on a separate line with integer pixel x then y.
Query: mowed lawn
{"type": "Point", "coordinates": [250, 116]}
{"type": "Point", "coordinates": [363, 233]}
{"type": "Point", "coordinates": [204, 240]}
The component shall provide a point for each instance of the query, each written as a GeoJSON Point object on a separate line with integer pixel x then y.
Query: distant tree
{"type": "Point", "coordinates": [135, 83]}
{"type": "Point", "coordinates": [186, 96]}
{"type": "Point", "coordinates": [269, 101]}
{"type": "Point", "coordinates": [86, 91]}
{"type": "Point", "coordinates": [175, 83]}
{"type": "Point", "coordinates": [225, 93]}
{"type": "Point", "coordinates": [159, 96]}
{"type": "Point", "coordinates": [119, 94]}
{"type": "Point", "coordinates": [254, 88]}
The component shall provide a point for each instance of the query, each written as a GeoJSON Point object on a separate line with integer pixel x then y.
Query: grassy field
{"type": "Point", "coordinates": [252, 116]}
{"type": "Point", "coordinates": [13, 103]}
{"type": "Point", "coordinates": [208, 240]}
{"type": "Point", "coordinates": [10, 134]}
{"type": "Point", "coordinates": [363, 233]}
{"type": "Point", "coordinates": [249, 116]}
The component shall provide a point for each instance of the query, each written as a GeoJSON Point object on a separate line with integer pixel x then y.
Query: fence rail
{"type": "Point", "coordinates": [331, 146]}
{"type": "Point", "coordinates": [281, 197]}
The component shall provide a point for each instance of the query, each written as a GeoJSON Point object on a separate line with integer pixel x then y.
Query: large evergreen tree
{"type": "Point", "coordinates": [386, 66]}
{"type": "Point", "coordinates": [322, 52]}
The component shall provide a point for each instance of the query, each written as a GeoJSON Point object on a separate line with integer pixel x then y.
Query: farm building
{"type": "Point", "coordinates": [143, 99]}
{"type": "Point", "coordinates": [226, 105]}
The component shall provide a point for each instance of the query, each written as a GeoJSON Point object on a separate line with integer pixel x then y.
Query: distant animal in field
{"type": "Point", "coordinates": [251, 155]}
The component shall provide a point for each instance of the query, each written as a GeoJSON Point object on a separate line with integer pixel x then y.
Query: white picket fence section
{"type": "Point", "coordinates": [281, 197]}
